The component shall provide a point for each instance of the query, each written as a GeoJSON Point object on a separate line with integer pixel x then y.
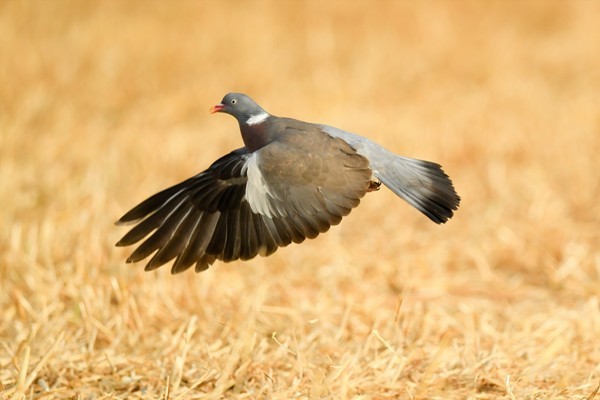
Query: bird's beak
{"type": "Point", "coordinates": [216, 108]}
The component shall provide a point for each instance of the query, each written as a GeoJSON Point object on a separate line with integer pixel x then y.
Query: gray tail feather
{"type": "Point", "coordinates": [423, 184]}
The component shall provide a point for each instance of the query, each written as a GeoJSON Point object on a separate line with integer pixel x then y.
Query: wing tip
{"type": "Point", "coordinates": [123, 221]}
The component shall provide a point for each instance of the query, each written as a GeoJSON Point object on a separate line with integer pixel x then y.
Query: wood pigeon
{"type": "Point", "coordinates": [292, 180]}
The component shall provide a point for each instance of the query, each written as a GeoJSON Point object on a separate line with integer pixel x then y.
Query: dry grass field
{"type": "Point", "coordinates": [104, 103]}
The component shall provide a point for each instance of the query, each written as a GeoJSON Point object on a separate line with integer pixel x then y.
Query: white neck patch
{"type": "Point", "coordinates": [257, 118]}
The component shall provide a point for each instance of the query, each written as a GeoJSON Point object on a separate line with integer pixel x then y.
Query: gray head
{"type": "Point", "coordinates": [242, 107]}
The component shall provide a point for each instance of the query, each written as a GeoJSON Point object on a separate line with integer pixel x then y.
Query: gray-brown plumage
{"type": "Point", "coordinates": [291, 181]}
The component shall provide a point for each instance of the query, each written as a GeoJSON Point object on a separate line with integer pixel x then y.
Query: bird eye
{"type": "Point", "coordinates": [233, 101]}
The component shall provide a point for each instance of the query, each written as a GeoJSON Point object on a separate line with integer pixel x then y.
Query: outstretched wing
{"type": "Point", "coordinates": [246, 205]}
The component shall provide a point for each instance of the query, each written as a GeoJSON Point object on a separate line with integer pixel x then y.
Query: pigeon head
{"type": "Point", "coordinates": [242, 107]}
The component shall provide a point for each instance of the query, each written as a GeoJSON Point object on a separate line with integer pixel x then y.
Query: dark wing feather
{"type": "Point", "coordinates": [208, 217]}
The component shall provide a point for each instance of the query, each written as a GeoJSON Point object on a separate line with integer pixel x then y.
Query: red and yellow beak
{"type": "Point", "coordinates": [216, 108]}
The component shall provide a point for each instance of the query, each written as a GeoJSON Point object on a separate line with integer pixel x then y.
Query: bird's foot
{"type": "Point", "coordinates": [373, 186]}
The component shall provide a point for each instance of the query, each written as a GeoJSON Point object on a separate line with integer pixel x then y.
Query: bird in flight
{"type": "Point", "coordinates": [292, 180]}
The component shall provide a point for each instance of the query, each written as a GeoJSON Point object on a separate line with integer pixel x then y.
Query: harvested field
{"type": "Point", "coordinates": [104, 103]}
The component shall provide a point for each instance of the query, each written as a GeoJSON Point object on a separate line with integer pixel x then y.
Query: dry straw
{"type": "Point", "coordinates": [103, 103]}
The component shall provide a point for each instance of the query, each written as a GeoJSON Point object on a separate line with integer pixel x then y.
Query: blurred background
{"type": "Point", "coordinates": [104, 103]}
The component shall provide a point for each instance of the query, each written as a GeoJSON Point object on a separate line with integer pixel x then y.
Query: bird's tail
{"type": "Point", "coordinates": [423, 184]}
